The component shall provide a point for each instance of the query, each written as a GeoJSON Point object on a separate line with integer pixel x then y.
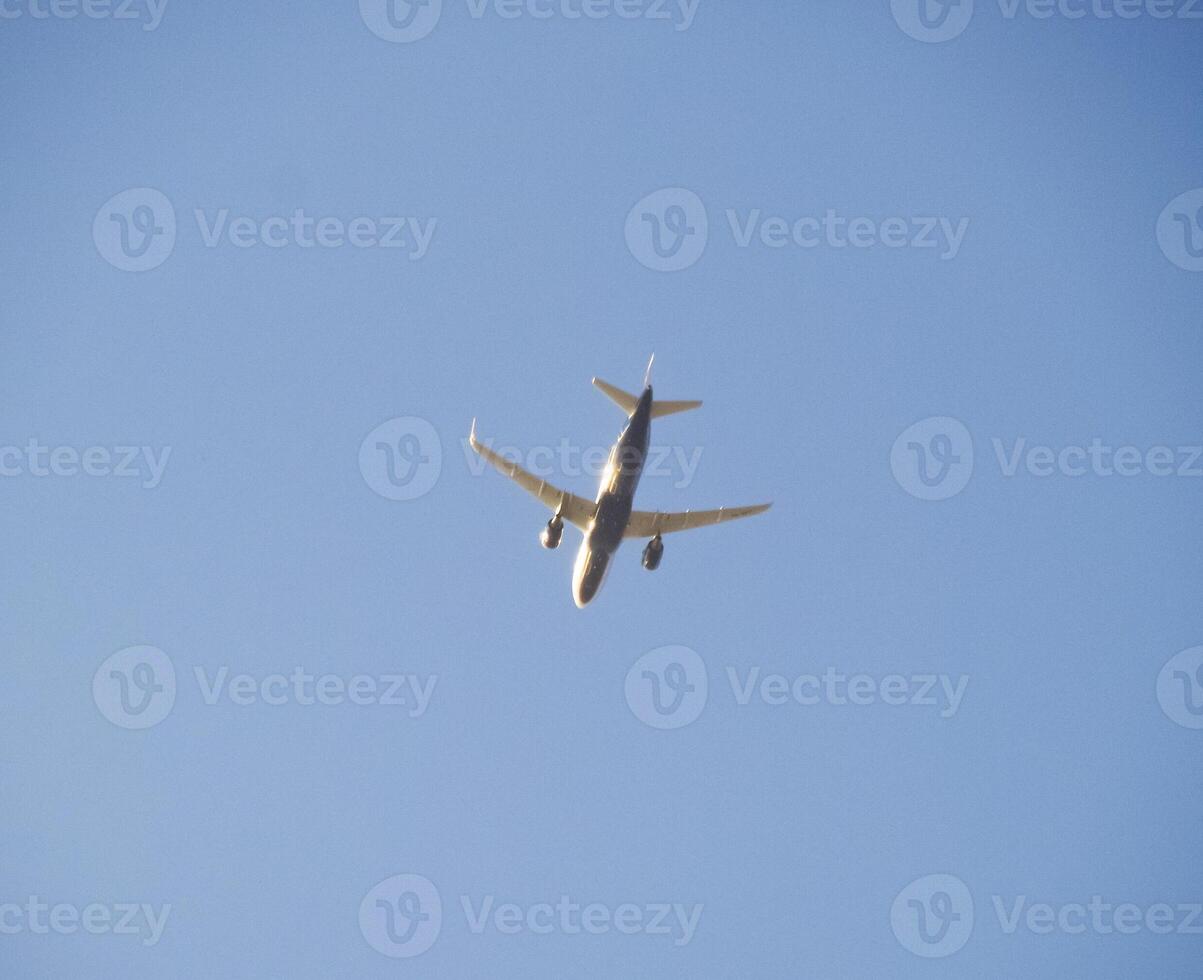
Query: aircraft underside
{"type": "Point", "coordinates": [610, 518]}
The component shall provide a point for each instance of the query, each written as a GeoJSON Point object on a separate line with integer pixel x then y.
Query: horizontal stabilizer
{"type": "Point", "coordinates": [628, 402]}
{"type": "Point", "coordinates": [622, 399]}
{"type": "Point", "coordinates": [660, 408]}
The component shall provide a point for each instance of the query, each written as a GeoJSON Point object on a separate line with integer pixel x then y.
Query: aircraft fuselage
{"type": "Point", "coordinates": [615, 500]}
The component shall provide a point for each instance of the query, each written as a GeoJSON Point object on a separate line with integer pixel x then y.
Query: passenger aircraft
{"type": "Point", "coordinates": [610, 518]}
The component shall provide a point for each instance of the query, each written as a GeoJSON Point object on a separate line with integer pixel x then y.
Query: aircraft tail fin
{"type": "Point", "coordinates": [628, 402]}
{"type": "Point", "coordinates": [622, 399]}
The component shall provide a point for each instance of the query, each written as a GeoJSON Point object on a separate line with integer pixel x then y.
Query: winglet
{"type": "Point", "coordinates": [647, 375]}
{"type": "Point", "coordinates": [472, 433]}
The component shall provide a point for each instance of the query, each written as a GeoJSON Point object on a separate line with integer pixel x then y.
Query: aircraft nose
{"type": "Point", "coordinates": [587, 576]}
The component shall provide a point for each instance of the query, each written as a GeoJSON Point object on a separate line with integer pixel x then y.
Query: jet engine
{"type": "Point", "coordinates": [653, 553]}
{"type": "Point", "coordinates": [550, 536]}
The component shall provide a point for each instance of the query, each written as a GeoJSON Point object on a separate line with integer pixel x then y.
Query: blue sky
{"type": "Point", "coordinates": [197, 505]}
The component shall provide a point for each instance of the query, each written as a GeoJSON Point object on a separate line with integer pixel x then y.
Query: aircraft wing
{"type": "Point", "coordinates": [575, 510]}
{"type": "Point", "coordinates": [647, 523]}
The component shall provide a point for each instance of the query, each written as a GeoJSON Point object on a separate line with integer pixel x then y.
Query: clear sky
{"type": "Point", "coordinates": [542, 778]}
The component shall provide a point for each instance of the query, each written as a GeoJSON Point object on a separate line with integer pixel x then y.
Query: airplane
{"type": "Point", "coordinates": [610, 518]}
